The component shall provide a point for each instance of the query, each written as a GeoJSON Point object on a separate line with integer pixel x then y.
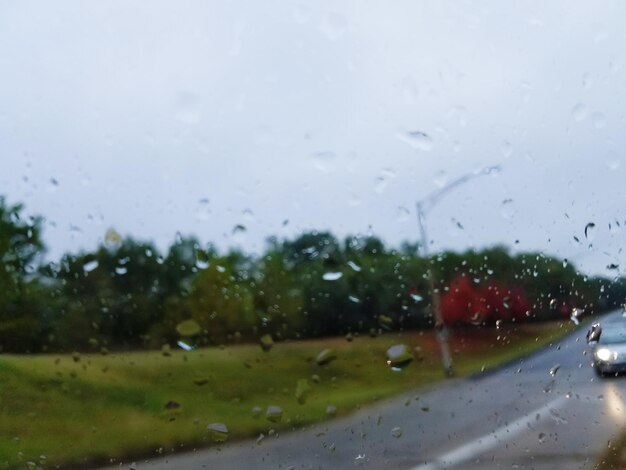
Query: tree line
{"type": "Point", "coordinates": [126, 294]}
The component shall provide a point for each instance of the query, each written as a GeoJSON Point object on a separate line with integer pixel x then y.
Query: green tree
{"type": "Point", "coordinates": [22, 298]}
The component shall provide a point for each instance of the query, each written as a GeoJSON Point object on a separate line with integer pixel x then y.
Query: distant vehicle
{"type": "Point", "coordinates": [608, 347]}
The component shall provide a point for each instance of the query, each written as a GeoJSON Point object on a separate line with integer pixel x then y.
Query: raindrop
{"type": "Point", "coordinates": [302, 390]}
{"type": "Point", "coordinates": [402, 214]}
{"type": "Point", "coordinates": [112, 239]}
{"type": "Point", "coordinates": [396, 432]}
{"type": "Point", "coordinates": [576, 315]}
{"type": "Point", "coordinates": [256, 411]}
{"type": "Point", "coordinates": [385, 322]}
{"type": "Point", "coordinates": [399, 356]}
{"type": "Point", "coordinates": [354, 266]}
{"type": "Point", "coordinates": [507, 149]}
{"type": "Point", "coordinates": [579, 112]}
{"type": "Point", "coordinates": [239, 229]}
{"type": "Point", "coordinates": [554, 370]}
{"type": "Point", "coordinates": [417, 298]}
{"type": "Point", "coordinates": [326, 356]}
{"type": "Point", "coordinates": [90, 266]}
{"type": "Point", "coordinates": [202, 211]}
{"type": "Point", "coordinates": [172, 405]}
{"type": "Point", "coordinates": [331, 410]}
{"type": "Point", "coordinates": [218, 432]}
{"type": "Point", "coordinates": [349, 337]}
{"type": "Point", "coordinates": [267, 342]}
{"type": "Point", "coordinates": [333, 26]}
{"type": "Point", "coordinates": [185, 346]}
{"type": "Point", "coordinates": [612, 266]}
{"type": "Point", "coordinates": [353, 299]}
{"type": "Point", "coordinates": [565, 263]}
{"type": "Point", "coordinates": [274, 413]}
{"type": "Point", "coordinates": [202, 264]}
{"type": "Point", "coordinates": [301, 14]}
{"type": "Point", "coordinates": [166, 350]}
{"type": "Point", "coordinates": [332, 276]}
{"type": "Point", "coordinates": [588, 227]}
{"type": "Point", "coordinates": [188, 108]}
{"type": "Point", "coordinates": [417, 140]}
{"type": "Point", "coordinates": [121, 270]}
{"type": "Point", "coordinates": [187, 328]}
{"type": "Point", "coordinates": [599, 121]}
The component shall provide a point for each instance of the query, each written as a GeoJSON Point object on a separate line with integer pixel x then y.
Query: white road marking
{"type": "Point", "coordinates": [495, 438]}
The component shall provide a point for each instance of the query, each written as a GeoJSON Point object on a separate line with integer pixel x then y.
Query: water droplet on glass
{"type": "Point", "coordinates": [579, 112]}
{"type": "Point", "coordinates": [576, 315]}
{"type": "Point", "coordinates": [267, 342]}
{"type": "Point", "coordinates": [301, 14]}
{"type": "Point", "coordinates": [188, 108]}
{"type": "Point", "coordinates": [187, 328]}
{"type": "Point", "coordinates": [554, 370]}
{"type": "Point", "coordinates": [417, 140]}
{"type": "Point", "coordinates": [326, 356]}
{"type": "Point", "coordinates": [396, 432]}
{"type": "Point", "coordinates": [399, 356]}
{"type": "Point", "coordinates": [331, 410]}
{"type": "Point", "coordinates": [402, 214]}
{"type": "Point", "coordinates": [354, 266]}
{"type": "Point", "coordinates": [90, 266]}
{"type": "Point", "coordinates": [172, 405]}
{"type": "Point", "coordinates": [417, 297]}
{"type": "Point", "coordinates": [588, 230]}
{"type": "Point", "coordinates": [112, 239]}
{"type": "Point", "coordinates": [599, 121]}
{"type": "Point", "coordinates": [385, 322]}
{"type": "Point", "coordinates": [121, 270]}
{"type": "Point", "coordinates": [333, 26]}
{"type": "Point", "coordinates": [302, 390]}
{"type": "Point", "coordinates": [185, 346]}
{"type": "Point", "coordinates": [256, 411]}
{"type": "Point", "coordinates": [507, 149]}
{"type": "Point", "coordinates": [332, 276]}
{"type": "Point", "coordinates": [274, 413]}
{"type": "Point", "coordinates": [202, 210]}
{"type": "Point", "coordinates": [354, 299]}
{"type": "Point", "coordinates": [218, 432]}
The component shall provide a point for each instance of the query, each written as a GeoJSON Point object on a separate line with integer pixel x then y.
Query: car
{"type": "Point", "coordinates": [608, 347]}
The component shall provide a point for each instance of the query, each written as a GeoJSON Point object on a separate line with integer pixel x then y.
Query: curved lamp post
{"type": "Point", "coordinates": [423, 206]}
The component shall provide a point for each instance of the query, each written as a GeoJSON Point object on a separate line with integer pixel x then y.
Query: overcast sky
{"type": "Point", "coordinates": [157, 117]}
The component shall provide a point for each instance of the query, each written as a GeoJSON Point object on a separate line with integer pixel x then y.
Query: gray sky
{"type": "Point", "coordinates": [330, 115]}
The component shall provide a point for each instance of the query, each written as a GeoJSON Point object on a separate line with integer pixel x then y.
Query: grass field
{"type": "Point", "coordinates": [77, 410]}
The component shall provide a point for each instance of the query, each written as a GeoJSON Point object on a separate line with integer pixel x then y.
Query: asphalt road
{"type": "Point", "coordinates": [519, 416]}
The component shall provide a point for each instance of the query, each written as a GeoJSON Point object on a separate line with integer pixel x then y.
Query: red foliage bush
{"type": "Point", "coordinates": [466, 303]}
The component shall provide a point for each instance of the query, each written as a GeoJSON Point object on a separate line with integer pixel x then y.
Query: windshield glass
{"type": "Point", "coordinates": [311, 234]}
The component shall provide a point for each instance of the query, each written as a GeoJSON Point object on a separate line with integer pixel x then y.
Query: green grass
{"type": "Point", "coordinates": [99, 407]}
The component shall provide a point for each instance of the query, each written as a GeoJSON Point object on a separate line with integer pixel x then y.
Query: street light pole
{"type": "Point", "coordinates": [422, 206]}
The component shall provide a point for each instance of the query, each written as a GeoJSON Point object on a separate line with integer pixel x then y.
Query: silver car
{"type": "Point", "coordinates": [608, 347]}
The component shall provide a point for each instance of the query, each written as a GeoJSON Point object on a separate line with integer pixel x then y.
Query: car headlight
{"type": "Point", "coordinates": [603, 354]}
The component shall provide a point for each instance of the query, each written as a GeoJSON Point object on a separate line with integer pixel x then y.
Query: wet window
{"type": "Point", "coordinates": [312, 235]}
